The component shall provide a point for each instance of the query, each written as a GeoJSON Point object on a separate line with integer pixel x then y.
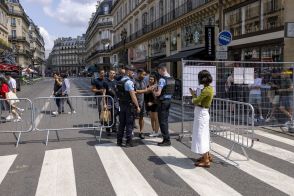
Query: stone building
{"type": "Point", "coordinates": [99, 36]}
{"type": "Point", "coordinates": [37, 46]}
{"type": "Point", "coordinates": [68, 55]}
{"type": "Point", "coordinates": [4, 45]}
{"type": "Point", "coordinates": [18, 29]}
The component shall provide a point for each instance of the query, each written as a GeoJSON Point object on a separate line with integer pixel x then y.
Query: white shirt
{"type": "Point", "coordinates": [257, 83]}
{"type": "Point", "coordinates": [12, 84]}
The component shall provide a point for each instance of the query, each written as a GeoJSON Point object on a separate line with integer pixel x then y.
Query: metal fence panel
{"type": "Point", "coordinates": [10, 122]}
{"type": "Point", "coordinates": [79, 113]}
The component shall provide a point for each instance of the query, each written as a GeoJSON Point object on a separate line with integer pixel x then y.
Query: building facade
{"type": "Point", "coordinates": [99, 36]}
{"type": "Point", "coordinates": [4, 45]}
{"type": "Point", "coordinates": [37, 46]}
{"type": "Point", "coordinates": [148, 32]}
{"type": "Point", "coordinates": [68, 55]}
{"type": "Point", "coordinates": [18, 29]}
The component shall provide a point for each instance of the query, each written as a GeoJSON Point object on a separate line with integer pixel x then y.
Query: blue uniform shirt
{"type": "Point", "coordinates": [129, 85]}
{"type": "Point", "coordinates": [161, 84]}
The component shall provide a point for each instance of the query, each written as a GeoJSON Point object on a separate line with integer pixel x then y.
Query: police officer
{"type": "Point", "coordinates": [164, 91]}
{"type": "Point", "coordinates": [128, 106]}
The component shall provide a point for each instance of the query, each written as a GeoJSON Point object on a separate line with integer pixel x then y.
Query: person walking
{"type": "Point", "coordinates": [11, 100]}
{"type": "Point", "coordinates": [11, 82]}
{"type": "Point", "coordinates": [57, 90]}
{"type": "Point", "coordinates": [201, 134]}
{"type": "Point", "coordinates": [151, 106]}
{"type": "Point", "coordinates": [141, 88]}
{"type": "Point", "coordinates": [164, 92]}
{"type": "Point", "coordinates": [128, 106]}
{"type": "Point", "coordinates": [111, 91]}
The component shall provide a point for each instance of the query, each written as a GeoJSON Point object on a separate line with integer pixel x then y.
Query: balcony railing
{"type": "Point", "coordinates": [16, 38]}
{"type": "Point", "coordinates": [169, 17]}
{"type": "Point", "coordinates": [99, 51]}
{"type": "Point", "coordinates": [100, 24]}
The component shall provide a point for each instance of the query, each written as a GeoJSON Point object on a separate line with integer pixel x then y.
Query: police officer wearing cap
{"type": "Point", "coordinates": [164, 92]}
{"type": "Point", "coordinates": [128, 107]}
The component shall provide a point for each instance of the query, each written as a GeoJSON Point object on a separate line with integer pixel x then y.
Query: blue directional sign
{"type": "Point", "coordinates": [224, 38]}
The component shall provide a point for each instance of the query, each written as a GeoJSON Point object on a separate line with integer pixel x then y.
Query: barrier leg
{"type": "Point", "coordinates": [46, 143]}
{"type": "Point", "coordinates": [17, 139]}
{"type": "Point", "coordinates": [101, 128]}
{"type": "Point", "coordinates": [245, 153]}
{"type": "Point", "coordinates": [57, 135]}
{"type": "Point", "coordinates": [94, 133]}
{"type": "Point", "coordinates": [231, 150]}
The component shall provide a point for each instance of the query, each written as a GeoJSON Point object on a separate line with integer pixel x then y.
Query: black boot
{"type": "Point", "coordinates": [119, 143]}
{"type": "Point", "coordinates": [129, 143]}
{"type": "Point", "coordinates": [141, 136]}
{"type": "Point", "coordinates": [164, 143]}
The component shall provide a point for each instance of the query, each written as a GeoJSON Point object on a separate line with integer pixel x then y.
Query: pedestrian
{"type": "Point", "coordinates": [164, 92]}
{"type": "Point", "coordinates": [286, 95]}
{"type": "Point", "coordinates": [11, 100]}
{"type": "Point", "coordinates": [11, 82]}
{"type": "Point", "coordinates": [151, 106]}
{"type": "Point", "coordinates": [128, 106]}
{"type": "Point", "coordinates": [201, 134]}
{"type": "Point", "coordinates": [57, 91]}
{"type": "Point", "coordinates": [255, 94]}
{"type": "Point", "coordinates": [99, 87]}
{"type": "Point", "coordinates": [141, 88]}
{"type": "Point", "coordinates": [111, 91]}
{"type": "Point", "coordinates": [146, 77]}
{"type": "Point", "coordinates": [65, 91]}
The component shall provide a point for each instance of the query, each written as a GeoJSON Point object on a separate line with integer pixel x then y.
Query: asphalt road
{"type": "Point", "coordinates": [79, 165]}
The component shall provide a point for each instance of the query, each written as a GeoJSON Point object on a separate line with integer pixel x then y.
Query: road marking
{"type": "Point", "coordinates": [197, 178]}
{"type": "Point", "coordinates": [266, 174]}
{"type": "Point", "coordinates": [57, 175]}
{"type": "Point", "coordinates": [5, 164]}
{"type": "Point", "coordinates": [123, 174]}
{"type": "Point", "coordinates": [275, 137]}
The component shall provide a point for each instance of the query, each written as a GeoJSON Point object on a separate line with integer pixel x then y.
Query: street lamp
{"type": "Point", "coordinates": [123, 36]}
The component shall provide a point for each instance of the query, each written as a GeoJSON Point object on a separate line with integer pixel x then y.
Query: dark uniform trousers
{"type": "Point", "coordinates": [126, 121]}
{"type": "Point", "coordinates": [163, 113]}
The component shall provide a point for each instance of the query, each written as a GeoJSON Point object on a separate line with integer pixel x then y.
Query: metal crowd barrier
{"type": "Point", "coordinates": [79, 113]}
{"type": "Point", "coordinates": [233, 121]}
{"type": "Point", "coordinates": [9, 123]}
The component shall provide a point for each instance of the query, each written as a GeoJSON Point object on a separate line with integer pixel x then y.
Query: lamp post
{"type": "Point", "coordinates": [123, 36]}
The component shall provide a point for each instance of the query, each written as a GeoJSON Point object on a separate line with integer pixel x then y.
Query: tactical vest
{"type": "Point", "coordinates": [169, 88]}
{"type": "Point", "coordinates": [123, 95]}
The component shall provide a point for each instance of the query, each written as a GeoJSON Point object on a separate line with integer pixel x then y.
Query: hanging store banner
{"type": "Point", "coordinates": [210, 42]}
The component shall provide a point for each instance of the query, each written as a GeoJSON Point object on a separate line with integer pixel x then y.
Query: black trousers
{"type": "Point", "coordinates": [163, 113]}
{"type": "Point", "coordinates": [126, 121]}
{"type": "Point", "coordinates": [60, 103]}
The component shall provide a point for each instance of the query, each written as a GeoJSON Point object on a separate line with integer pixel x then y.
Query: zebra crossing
{"type": "Point", "coordinates": [58, 170]}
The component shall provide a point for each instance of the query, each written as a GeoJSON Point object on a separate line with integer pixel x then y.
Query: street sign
{"type": "Point", "coordinates": [222, 48]}
{"type": "Point", "coordinates": [221, 55]}
{"type": "Point", "coordinates": [224, 38]}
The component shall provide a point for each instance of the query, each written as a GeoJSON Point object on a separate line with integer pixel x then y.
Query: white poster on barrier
{"type": "Point", "coordinates": [190, 77]}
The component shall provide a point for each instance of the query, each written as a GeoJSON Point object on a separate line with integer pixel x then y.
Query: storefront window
{"type": "Point", "coordinates": [251, 54]}
{"type": "Point", "coordinates": [271, 53]}
{"type": "Point", "coordinates": [173, 41]}
{"type": "Point", "coordinates": [273, 12]}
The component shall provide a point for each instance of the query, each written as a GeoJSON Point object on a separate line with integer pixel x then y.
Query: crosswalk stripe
{"type": "Point", "coordinates": [5, 164]}
{"type": "Point", "coordinates": [197, 178]}
{"type": "Point", "coordinates": [275, 137]}
{"type": "Point", "coordinates": [123, 174]}
{"type": "Point", "coordinates": [270, 176]}
{"type": "Point", "coordinates": [57, 175]}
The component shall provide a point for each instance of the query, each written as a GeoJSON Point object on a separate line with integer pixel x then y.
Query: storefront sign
{"type": "Point", "coordinates": [289, 29]}
{"type": "Point", "coordinates": [221, 55]}
{"type": "Point", "coordinates": [224, 38]}
{"type": "Point", "coordinates": [209, 42]}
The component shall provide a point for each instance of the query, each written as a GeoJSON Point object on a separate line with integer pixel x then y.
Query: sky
{"type": "Point", "coordinates": [59, 18]}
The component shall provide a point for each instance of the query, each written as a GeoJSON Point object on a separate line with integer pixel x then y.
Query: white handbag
{"type": "Point", "coordinates": [11, 98]}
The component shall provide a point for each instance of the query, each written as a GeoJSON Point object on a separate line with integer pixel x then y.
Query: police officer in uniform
{"type": "Point", "coordinates": [128, 107]}
{"type": "Point", "coordinates": [164, 91]}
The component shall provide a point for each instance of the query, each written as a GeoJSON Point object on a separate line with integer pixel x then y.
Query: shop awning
{"type": "Point", "coordinates": [183, 55]}
{"type": "Point", "coordinates": [8, 67]}
{"type": "Point", "coordinates": [157, 58]}
{"type": "Point", "coordinates": [139, 61]}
